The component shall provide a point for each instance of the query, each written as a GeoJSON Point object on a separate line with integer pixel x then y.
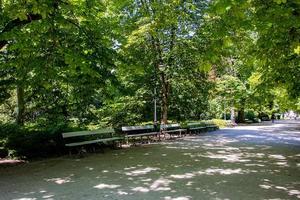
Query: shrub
{"type": "Point", "coordinates": [125, 111]}
{"type": "Point", "coordinates": [250, 115]}
{"type": "Point", "coordinates": [220, 122]}
{"type": "Point", "coordinates": [263, 116]}
{"type": "Point", "coordinates": [29, 142]}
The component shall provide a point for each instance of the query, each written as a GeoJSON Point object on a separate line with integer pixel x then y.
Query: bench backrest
{"type": "Point", "coordinates": [87, 133]}
{"type": "Point", "coordinates": [137, 129]}
{"type": "Point", "coordinates": [194, 124]}
{"type": "Point", "coordinates": [209, 123]}
{"type": "Point", "coordinates": [169, 126]}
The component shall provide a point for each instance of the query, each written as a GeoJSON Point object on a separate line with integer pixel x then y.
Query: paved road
{"type": "Point", "coordinates": [247, 162]}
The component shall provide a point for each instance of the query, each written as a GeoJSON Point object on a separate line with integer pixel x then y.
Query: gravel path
{"type": "Point", "coordinates": [247, 162]}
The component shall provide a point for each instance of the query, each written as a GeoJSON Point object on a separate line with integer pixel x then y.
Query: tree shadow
{"type": "Point", "coordinates": [220, 165]}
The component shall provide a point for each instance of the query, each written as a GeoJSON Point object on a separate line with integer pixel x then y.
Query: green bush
{"type": "Point", "coordinates": [7, 130]}
{"type": "Point", "coordinates": [264, 116]}
{"type": "Point", "coordinates": [124, 112]}
{"type": "Point", "coordinates": [220, 122]}
{"type": "Point", "coordinates": [29, 142]}
{"type": "Point", "coordinates": [250, 115]}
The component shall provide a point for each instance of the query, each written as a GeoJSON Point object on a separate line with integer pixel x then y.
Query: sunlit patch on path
{"type": "Point", "coordinates": [104, 186]}
{"type": "Point", "coordinates": [141, 171]}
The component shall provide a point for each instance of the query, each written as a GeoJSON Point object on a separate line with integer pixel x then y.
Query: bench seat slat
{"type": "Point", "coordinates": [93, 141]}
{"type": "Point", "coordinates": [195, 128]}
{"type": "Point", "coordinates": [213, 126]}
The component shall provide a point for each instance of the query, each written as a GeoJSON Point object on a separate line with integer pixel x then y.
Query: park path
{"type": "Point", "coordinates": [247, 162]}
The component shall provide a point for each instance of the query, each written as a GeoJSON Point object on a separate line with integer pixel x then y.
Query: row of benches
{"type": "Point", "coordinates": [108, 135]}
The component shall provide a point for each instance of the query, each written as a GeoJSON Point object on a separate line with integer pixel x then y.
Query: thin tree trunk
{"type": "Point", "coordinates": [20, 105]}
{"type": "Point", "coordinates": [241, 115]}
{"type": "Point", "coordinates": [241, 112]}
{"type": "Point", "coordinates": [232, 117]}
{"type": "Point", "coordinates": [163, 79]}
{"type": "Point", "coordinates": [165, 98]}
{"type": "Point", "coordinates": [165, 82]}
{"type": "Point", "coordinates": [165, 87]}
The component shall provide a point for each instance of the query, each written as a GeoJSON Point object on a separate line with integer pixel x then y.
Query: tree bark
{"type": "Point", "coordinates": [241, 111]}
{"type": "Point", "coordinates": [164, 80]}
{"type": "Point", "coordinates": [20, 105]}
{"type": "Point", "coordinates": [232, 116]}
{"type": "Point", "coordinates": [241, 115]}
{"type": "Point", "coordinates": [17, 22]}
{"type": "Point", "coordinates": [165, 98]}
{"type": "Point", "coordinates": [160, 62]}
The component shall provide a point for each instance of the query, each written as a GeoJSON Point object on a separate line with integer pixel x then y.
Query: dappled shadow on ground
{"type": "Point", "coordinates": [239, 163]}
{"type": "Point", "coordinates": [281, 132]}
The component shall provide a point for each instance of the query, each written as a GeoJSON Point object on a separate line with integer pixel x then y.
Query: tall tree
{"type": "Point", "coordinates": [61, 61]}
{"type": "Point", "coordinates": [164, 32]}
{"type": "Point", "coordinates": [273, 26]}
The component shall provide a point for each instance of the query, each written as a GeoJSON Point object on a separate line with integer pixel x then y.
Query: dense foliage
{"type": "Point", "coordinates": [68, 64]}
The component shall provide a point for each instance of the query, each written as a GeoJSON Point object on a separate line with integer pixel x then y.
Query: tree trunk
{"type": "Point", "coordinates": [20, 105]}
{"type": "Point", "coordinates": [241, 115]}
{"type": "Point", "coordinates": [164, 79]}
{"type": "Point", "coordinates": [232, 117]}
{"type": "Point", "coordinates": [165, 98]}
{"type": "Point", "coordinates": [241, 111]}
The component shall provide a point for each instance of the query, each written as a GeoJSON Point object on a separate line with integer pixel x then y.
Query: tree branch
{"type": "Point", "coordinates": [16, 23]}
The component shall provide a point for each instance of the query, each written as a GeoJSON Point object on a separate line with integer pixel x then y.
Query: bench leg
{"type": "Point", "coordinates": [117, 144]}
{"type": "Point", "coordinates": [81, 152]}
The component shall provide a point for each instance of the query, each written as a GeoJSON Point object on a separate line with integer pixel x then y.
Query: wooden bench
{"type": "Point", "coordinates": [172, 129]}
{"type": "Point", "coordinates": [196, 127]}
{"type": "Point", "coordinates": [132, 132]}
{"type": "Point", "coordinates": [210, 126]}
{"type": "Point", "coordinates": [81, 138]}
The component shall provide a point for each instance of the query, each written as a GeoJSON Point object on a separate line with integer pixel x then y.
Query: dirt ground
{"type": "Point", "coordinates": [247, 162]}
